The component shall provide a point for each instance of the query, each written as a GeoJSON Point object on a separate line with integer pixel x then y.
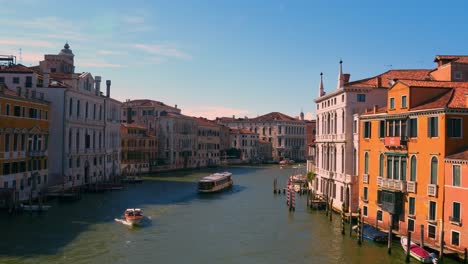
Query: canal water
{"type": "Point", "coordinates": [247, 224]}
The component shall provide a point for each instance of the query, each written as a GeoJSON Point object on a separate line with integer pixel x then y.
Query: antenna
{"type": "Point", "coordinates": [20, 56]}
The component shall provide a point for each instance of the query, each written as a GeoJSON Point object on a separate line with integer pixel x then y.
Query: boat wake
{"type": "Point", "coordinates": [145, 221]}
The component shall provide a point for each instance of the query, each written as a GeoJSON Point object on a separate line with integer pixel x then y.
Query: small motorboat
{"type": "Point", "coordinates": [373, 234]}
{"type": "Point", "coordinates": [133, 216]}
{"type": "Point", "coordinates": [418, 252]}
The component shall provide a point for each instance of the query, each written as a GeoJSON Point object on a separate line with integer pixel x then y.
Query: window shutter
{"type": "Point", "coordinates": [429, 125]}
{"type": "Point", "coordinates": [436, 126]}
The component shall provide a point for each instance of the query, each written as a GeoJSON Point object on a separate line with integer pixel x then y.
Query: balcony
{"type": "Point", "coordinates": [379, 181]}
{"type": "Point", "coordinates": [455, 220]}
{"type": "Point", "coordinates": [411, 186]}
{"type": "Point", "coordinates": [394, 142]}
{"type": "Point", "coordinates": [392, 184]}
{"type": "Point", "coordinates": [432, 190]}
{"type": "Point", "coordinates": [36, 153]}
{"type": "Point", "coordinates": [365, 178]}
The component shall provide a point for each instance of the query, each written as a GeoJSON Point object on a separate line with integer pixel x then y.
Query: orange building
{"type": "Point", "coordinates": [402, 148]}
{"type": "Point", "coordinates": [139, 149]}
{"type": "Point", "coordinates": [24, 129]}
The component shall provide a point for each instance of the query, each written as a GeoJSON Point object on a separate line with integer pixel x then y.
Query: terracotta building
{"type": "Point", "coordinates": [247, 142]}
{"type": "Point", "coordinates": [208, 143]}
{"type": "Point", "coordinates": [139, 149]}
{"type": "Point", "coordinates": [24, 138]}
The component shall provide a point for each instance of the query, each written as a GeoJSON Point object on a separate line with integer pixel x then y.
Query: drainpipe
{"type": "Point", "coordinates": [442, 243]}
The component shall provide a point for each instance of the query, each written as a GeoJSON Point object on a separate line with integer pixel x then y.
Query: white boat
{"type": "Point", "coordinates": [418, 252]}
{"type": "Point", "coordinates": [133, 216]}
{"type": "Point", "coordinates": [215, 182]}
{"type": "Point", "coordinates": [35, 208]}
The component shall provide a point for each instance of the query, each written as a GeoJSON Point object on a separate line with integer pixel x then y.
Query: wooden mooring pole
{"type": "Point", "coordinates": [343, 217]}
{"type": "Point", "coordinates": [331, 208]}
{"type": "Point", "coordinates": [408, 244]}
{"type": "Point", "coordinates": [390, 234]}
{"type": "Point", "coordinates": [359, 226]}
{"type": "Point", "coordinates": [422, 236]}
{"type": "Point", "coordinates": [465, 256]}
{"type": "Point", "coordinates": [441, 252]}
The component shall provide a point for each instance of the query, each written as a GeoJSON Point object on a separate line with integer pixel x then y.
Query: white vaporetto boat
{"type": "Point", "coordinates": [215, 182]}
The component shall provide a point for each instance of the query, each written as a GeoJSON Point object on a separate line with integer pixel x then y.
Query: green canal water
{"type": "Point", "coordinates": [247, 224]}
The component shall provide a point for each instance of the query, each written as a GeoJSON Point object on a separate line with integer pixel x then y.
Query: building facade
{"type": "Point", "coordinates": [247, 143]}
{"type": "Point", "coordinates": [286, 134]}
{"type": "Point", "coordinates": [139, 149]}
{"type": "Point", "coordinates": [336, 149]}
{"type": "Point", "coordinates": [209, 143]}
{"type": "Point", "coordinates": [24, 137]}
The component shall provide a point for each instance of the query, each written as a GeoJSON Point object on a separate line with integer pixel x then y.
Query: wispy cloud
{"type": "Point", "coordinates": [17, 42]}
{"type": "Point", "coordinates": [211, 112]}
{"type": "Point", "coordinates": [163, 50]}
{"type": "Point", "coordinates": [110, 52]}
{"type": "Point", "coordinates": [97, 64]}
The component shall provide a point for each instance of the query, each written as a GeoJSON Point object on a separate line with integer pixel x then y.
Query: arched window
{"type": "Point", "coordinates": [381, 165]}
{"type": "Point", "coordinates": [434, 164]}
{"type": "Point", "coordinates": [366, 163]}
{"type": "Point", "coordinates": [413, 168]}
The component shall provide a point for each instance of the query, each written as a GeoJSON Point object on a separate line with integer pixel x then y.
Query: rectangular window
{"type": "Point", "coordinates": [379, 216]}
{"type": "Point", "coordinates": [367, 129]}
{"type": "Point", "coordinates": [456, 181]}
{"type": "Point", "coordinates": [28, 81]}
{"type": "Point", "coordinates": [15, 142]}
{"type": "Point", "coordinates": [355, 126]}
{"type": "Point", "coordinates": [433, 126]}
{"type": "Point", "coordinates": [381, 128]}
{"type": "Point", "coordinates": [458, 75]}
{"type": "Point", "coordinates": [455, 240]}
{"type": "Point", "coordinates": [431, 231]}
{"type": "Point", "coordinates": [2, 79]}
{"type": "Point", "coordinates": [392, 103]}
{"type": "Point", "coordinates": [413, 127]}
{"type": "Point", "coordinates": [410, 225]}
{"type": "Point", "coordinates": [455, 212]}
{"type": "Point", "coordinates": [361, 97]}
{"type": "Point", "coordinates": [17, 110]}
{"type": "Point", "coordinates": [16, 80]}
{"type": "Point", "coordinates": [23, 111]}
{"type": "Point", "coordinates": [7, 111]}
{"type": "Point", "coordinates": [454, 127]}
{"type": "Point", "coordinates": [403, 101]}
{"type": "Point", "coordinates": [412, 206]}
{"type": "Point", "coordinates": [365, 194]}
{"type": "Point", "coordinates": [379, 197]}
{"type": "Point", "coordinates": [7, 142]}
{"type": "Point", "coordinates": [364, 210]}
{"type": "Point", "coordinates": [432, 210]}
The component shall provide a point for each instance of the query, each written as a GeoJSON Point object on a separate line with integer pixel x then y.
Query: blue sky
{"type": "Point", "coordinates": [243, 57]}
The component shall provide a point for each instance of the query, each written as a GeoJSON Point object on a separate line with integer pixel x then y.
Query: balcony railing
{"type": "Point", "coordinates": [379, 181]}
{"type": "Point", "coordinates": [365, 178]}
{"type": "Point", "coordinates": [394, 142]}
{"type": "Point", "coordinates": [392, 184]}
{"type": "Point", "coordinates": [36, 153]}
{"type": "Point", "coordinates": [432, 190]}
{"type": "Point", "coordinates": [455, 220]}
{"type": "Point", "coordinates": [411, 186]}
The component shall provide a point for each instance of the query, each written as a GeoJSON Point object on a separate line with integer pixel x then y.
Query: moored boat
{"type": "Point", "coordinates": [373, 234]}
{"type": "Point", "coordinates": [418, 252]}
{"type": "Point", "coordinates": [215, 182]}
{"type": "Point", "coordinates": [34, 207]}
{"type": "Point", "coordinates": [133, 216]}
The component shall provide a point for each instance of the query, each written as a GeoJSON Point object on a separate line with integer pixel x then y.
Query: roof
{"type": "Point", "coordinates": [452, 58]}
{"type": "Point", "coordinates": [17, 68]}
{"type": "Point", "coordinates": [274, 116]}
{"type": "Point", "coordinates": [388, 76]}
{"type": "Point", "coordinates": [147, 102]}
{"type": "Point", "coordinates": [459, 155]}
{"type": "Point", "coordinates": [205, 122]}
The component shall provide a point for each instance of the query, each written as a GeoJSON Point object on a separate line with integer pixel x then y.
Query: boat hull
{"type": "Point", "coordinates": [133, 221]}
{"type": "Point", "coordinates": [416, 251]}
{"type": "Point", "coordinates": [218, 188]}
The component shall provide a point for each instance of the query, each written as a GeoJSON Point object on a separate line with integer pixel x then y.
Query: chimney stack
{"type": "Point", "coordinates": [97, 85]}
{"type": "Point", "coordinates": [375, 108]}
{"type": "Point", "coordinates": [346, 77]}
{"type": "Point", "coordinates": [233, 117]}
{"type": "Point", "coordinates": [175, 106]}
{"type": "Point", "coordinates": [46, 78]}
{"type": "Point", "coordinates": [108, 84]}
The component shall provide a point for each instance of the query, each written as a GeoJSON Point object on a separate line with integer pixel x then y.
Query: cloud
{"type": "Point", "coordinates": [97, 64]}
{"type": "Point", "coordinates": [31, 58]}
{"type": "Point", "coordinates": [211, 112]}
{"type": "Point", "coordinates": [309, 116]}
{"type": "Point", "coordinates": [25, 43]}
{"type": "Point", "coordinates": [162, 50]}
{"type": "Point", "coordinates": [110, 52]}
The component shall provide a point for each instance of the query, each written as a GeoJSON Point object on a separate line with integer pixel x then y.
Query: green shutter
{"type": "Point", "coordinates": [413, 169]}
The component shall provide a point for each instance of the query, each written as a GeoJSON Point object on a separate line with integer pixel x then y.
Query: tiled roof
{"type": "Point", "coordinates": [205, 122]}
{"type": "Point", "coordinates": [386, 77]}
{"type": "Point", "coordinates": [147, 102]}
{"type": "Point", "coordinates": [459, 155]}
{"type": "Point", "coordinates": [452, 58]}
{"type": "Point", "coordinates": [440, 101]}
{"type": "Point", "coordinates": [18, 68]}
{"type": "Point", "coordinates": [274, 116]}
{"type": "Point", "coordinates": [433, 84]}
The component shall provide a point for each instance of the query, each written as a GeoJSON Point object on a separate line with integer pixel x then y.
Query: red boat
{"type": "Point", "coordinates": [133, 215]}
{"type": "Point", "coordinates": [418, 252]}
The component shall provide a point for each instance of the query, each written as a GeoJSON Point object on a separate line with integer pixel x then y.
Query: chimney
{"type": "Point", "coordinates": [379, 81]}
{"type": "Point", "coordinates": [346, 77]}
{"type": "Point", "coordinates": [129, 115]}
{"type": "Point", "coordinates": [108, 84]}
{"type": "Point", "coordinates": [233, 116]}
{"type": "Point", "coordinates": [375, 108]}
{"type": "Point", "coordinates": [97, 85]}
{"type": "Point", "coordinates": [46, 78]}
{"type": "Point", "coordinates": [175, 106]}
{"type": "Point", "coordinates": [18, 91]}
